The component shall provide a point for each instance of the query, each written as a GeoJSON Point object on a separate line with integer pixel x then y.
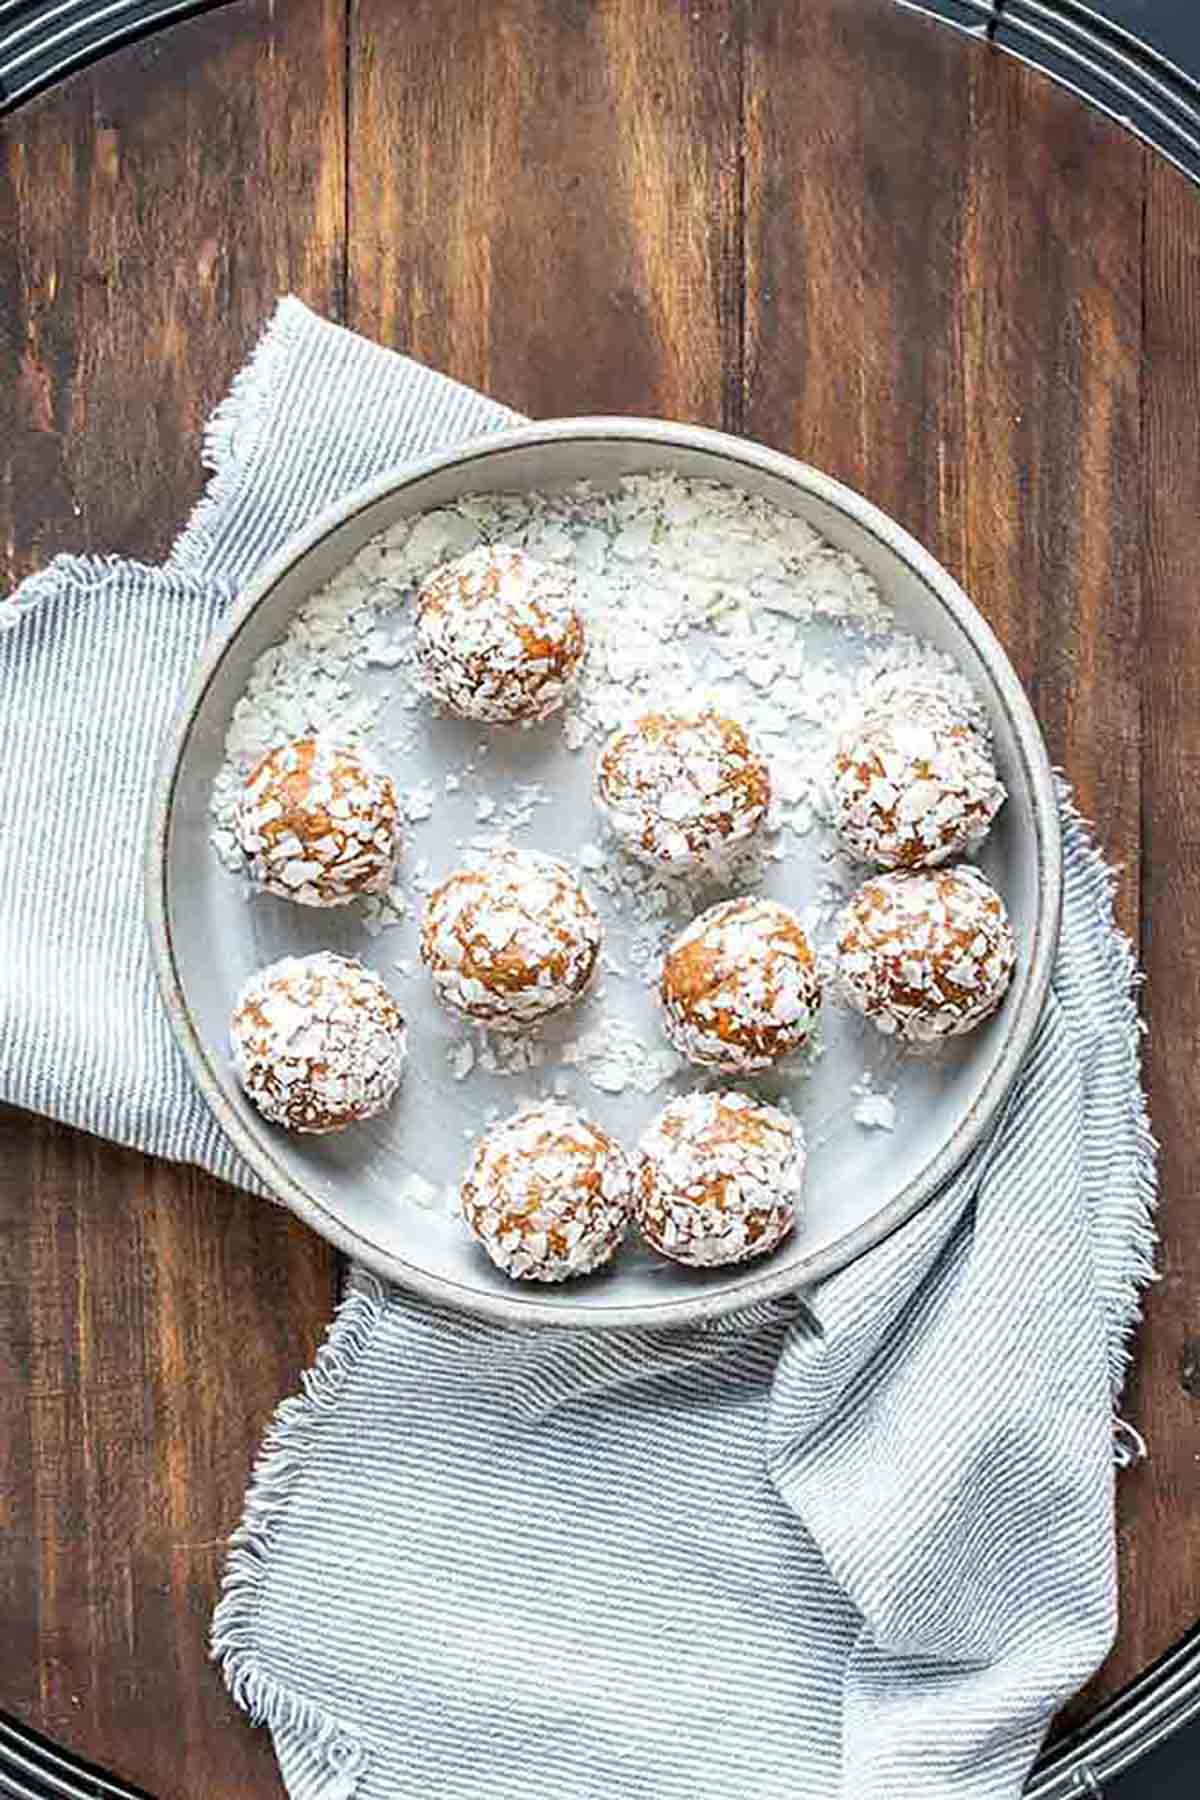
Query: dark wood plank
{"type": "Point", "coordinates": [150, 213]}
{"type": "Point", "coordinates": [150, 1320]}
{"type": "Point", "coordinates": [1050, 301]}
{"type": "Point", "coordinates": [944, 308]}
{"type": "Point", "coordinates": [856, 126]}
{"type": "Point", "coordinates": [1161, 1499]}
{"type": "Point", "coordinates": [545, 203]}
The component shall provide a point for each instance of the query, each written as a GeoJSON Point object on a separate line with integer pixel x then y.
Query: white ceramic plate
{"type": "Point", "coordinates": [861, 1185]}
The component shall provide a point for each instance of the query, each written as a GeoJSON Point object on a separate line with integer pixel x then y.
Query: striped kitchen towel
{"type": "Point", "coordinates": [857, 1545]}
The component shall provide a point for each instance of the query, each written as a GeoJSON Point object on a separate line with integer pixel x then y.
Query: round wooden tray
{"type": "Point", "coordinates": [841, 229]}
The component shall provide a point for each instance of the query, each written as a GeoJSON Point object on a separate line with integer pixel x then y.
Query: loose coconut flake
{"type": "Point", "coordinates": [684, 588]}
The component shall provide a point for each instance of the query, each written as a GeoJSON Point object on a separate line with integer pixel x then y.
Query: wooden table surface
{"type": "Point", "coordinates": [833, 226]}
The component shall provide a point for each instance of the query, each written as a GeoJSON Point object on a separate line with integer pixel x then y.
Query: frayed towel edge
{"type": "Point", "coordinates": [336, 1746]}
{"type": "Point", "coordinates": [233, 431]}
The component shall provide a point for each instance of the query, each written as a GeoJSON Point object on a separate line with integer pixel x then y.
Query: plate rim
{"type": "Point", "coordinates": [768, 1283]}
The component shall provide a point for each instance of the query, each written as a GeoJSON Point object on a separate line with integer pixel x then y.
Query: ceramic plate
{"type": "Point", "coordinates": [861, 1184]}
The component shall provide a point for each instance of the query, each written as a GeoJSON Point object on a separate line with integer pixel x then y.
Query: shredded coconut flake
{"type": "Point", "coordinates": [687, 591]}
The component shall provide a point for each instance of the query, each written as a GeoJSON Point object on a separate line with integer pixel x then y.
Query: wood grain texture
{"type": "Point", "coordinates": [150, 1320]}
{"type": "Point", "coordinates": [856, 122]}
{"type": "Point", "coordinates": [150, 213]}
{"type": "Point", "coordinates": [544, 197]}
{"type": "Point", "coordinates": [944, 308]}
{"type": "Point", "coordinates": [1050, 298]}
{"type": "Point", "coordinates": [836, 227]}
{"type": "Point", "coordinates": [1160, 1515]}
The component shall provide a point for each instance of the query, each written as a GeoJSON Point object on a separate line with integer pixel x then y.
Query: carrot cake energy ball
{"type": "Point", "coordinates": [914, 782]}
{"type": "Point", "coordinates": [718, 1179]}
{"type": "Point", "coordinates": [499, 636]}
{"type": "Point", "coordinates": [318, 823]}
{"type": "Point", "coordinates": [682, 790]}
{"type": "Point", "coordinates": [547, 1194]}
{"type": "Point", "coordinates": [318, 1042]}
{"type": "Point", "coordinates": [739, 986]}
{"type": "Point", "coordinates": [927, 955]}
{"type": "Point", "coordinates": [512, 941]}
{"type": "Point", "coordinates": [925, 693]}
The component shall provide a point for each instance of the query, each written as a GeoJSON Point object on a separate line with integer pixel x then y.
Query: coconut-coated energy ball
{"type": "Point", "coordinates": [739, 986]}
{"type": "Point", "coordinates": [317, 822]}
{"type": "Point", "coordinates": [548, 1194]}
{"type": "Point", "coordinates": [717, 1179]}
{"type": "Point", "coordinates": [925, 955]}
{"type": "Point", "coordinates": [682, 790]}
{"type": "Point", "coordinates": [925, 693]}
{"type": "Point", "coordinates": [318, 1042]}
{"type": "Point", "coordinates": [914, 782]}
{"type": "Point", "coordinates": [511, 941]}
{"type": "Point", "coordinates": [499, 636]}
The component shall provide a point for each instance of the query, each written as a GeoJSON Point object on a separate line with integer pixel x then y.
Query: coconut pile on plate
{"type": "Point", "coordinates": [922, 950]}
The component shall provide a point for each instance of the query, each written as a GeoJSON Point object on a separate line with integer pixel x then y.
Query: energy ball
{"type": "Point", "coordinates": [718, 1179]}
{"type": "Point", "coordinates": [914, 783]}
{"type": "Point", "coordinates": [318, 1042]}
{"type": "Point", "coordinates": [739, 986]}
{"type": "Point", "coordinates": [682, 790]}
{"type": "Point", "coordinates": [925, 693]}
{"type": "Point", "coordinates": [499, 636]}
{"type": "Point", "coordinates": [548, 1194]}
{"type": "Point", "coordinates": [512, 941]}
{"type": "Point", "coordinates": [318, 823]}
{"type": "Point", "coordinates": [927, 955]}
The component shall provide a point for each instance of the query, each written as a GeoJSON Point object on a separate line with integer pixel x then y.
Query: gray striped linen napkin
{"type": "Point", "coordinates": [856, 1545]}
